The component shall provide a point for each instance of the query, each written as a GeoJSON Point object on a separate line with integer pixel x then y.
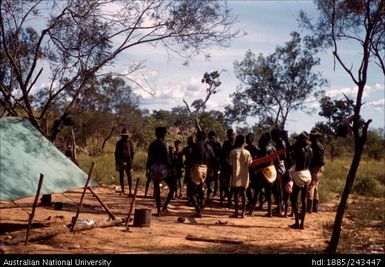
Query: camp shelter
{"type": "Point", "coordinates": [24, 154]}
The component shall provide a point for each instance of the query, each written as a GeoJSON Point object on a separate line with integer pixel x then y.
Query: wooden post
{"type": "Point", "coordinates": [74, 155]}
{"type": "Point", "coordinates": [34, 207]}
{"type": "Point", "coordinates": [81, 199]}
{"type": "Point", "coordinates": [112, 216]}
{"type": "Point", "coordinates": [132, 204]}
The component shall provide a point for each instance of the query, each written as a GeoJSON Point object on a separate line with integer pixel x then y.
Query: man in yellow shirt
{"type": "Point", "coordinates": [239, 160]}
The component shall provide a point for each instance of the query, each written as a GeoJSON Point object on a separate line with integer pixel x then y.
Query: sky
{"type": "Point", "coordinates": [267, 24]}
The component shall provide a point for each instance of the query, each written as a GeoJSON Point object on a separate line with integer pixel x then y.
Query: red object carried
{"type": "Point", "coordinates": [275, 154]}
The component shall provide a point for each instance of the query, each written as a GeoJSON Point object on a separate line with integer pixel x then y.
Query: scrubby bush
{"type": "Point", "coordinates": [368, 186]}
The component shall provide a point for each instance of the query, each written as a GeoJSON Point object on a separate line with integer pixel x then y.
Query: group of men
{"type": "Point", "coordinates": [254, 174]}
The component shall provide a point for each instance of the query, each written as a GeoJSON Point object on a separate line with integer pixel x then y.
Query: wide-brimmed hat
{"type": "Point", "coordinates": [303, 136]}
{"type": "Point", "coordinates": [124, 132]}
{"type": "Point", "coordinates": [315, 133]}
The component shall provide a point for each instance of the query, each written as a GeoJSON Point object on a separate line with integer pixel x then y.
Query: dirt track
{"type": "Point", "coordinates": [165, 235]}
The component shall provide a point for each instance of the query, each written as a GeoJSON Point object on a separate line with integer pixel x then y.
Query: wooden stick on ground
{"type": "Point", "coordinates": [214, 239]}
{"type": "Point", "coordinates": [81, 199]}
{"type": "Point", "coordinates": [34, 207]}
{"type": "Point", "coordinates": [132, 204]}
{"type": "Point", "coordinates": [112, 216]}
{"type": "Point", "coordinates": [55, 232]}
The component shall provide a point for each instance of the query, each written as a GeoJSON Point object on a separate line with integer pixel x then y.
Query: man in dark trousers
{"type": "Point", "coordinates": [279, 164]}
{"type": "Point", "coordinates": [158, 168]}
{"type": "Point", "coordinates": [287, 180]}
{"type": "Point", "coordinates": [177, 162]}
{"type": "Point", "coordinates": [124, 159]}
{"type": "Point", "coordinates": [187, 153]}
{"type": "Point", "coordinates": [302, 155]}
{"type": "Point", "coordinates": [213, 172]}
{"type": "Point", "coordinates": [253, 152]}
{"type": "Point", "coordinates": [203, 158]}
{"type": "Point", "coordinates": [224, 179]}
{"type": "Point", "coordinates": [266, 173]}
{"type": "Point", "coordinates": [316, 171]}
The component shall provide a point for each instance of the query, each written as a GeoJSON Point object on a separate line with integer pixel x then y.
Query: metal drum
{"type": "Point", "coordinates": [142, 217]}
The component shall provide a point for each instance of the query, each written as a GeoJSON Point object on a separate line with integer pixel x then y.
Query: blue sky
{"type": "Point", "coordinates": [268, 24]}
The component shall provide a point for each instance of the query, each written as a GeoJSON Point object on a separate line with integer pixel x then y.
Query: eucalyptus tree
{"type": "Point", "coordinates": [360, 22]}
{"type": "Point", "coordinates": [274, 85]}
{"type": "Point", "coordinates": [71, 41]}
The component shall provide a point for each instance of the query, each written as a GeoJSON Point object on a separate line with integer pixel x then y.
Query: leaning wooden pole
{"type": "Point", "coordinates": [34, 207]}
{"type": "Point", "coordinates": [112, 216]}
{"type": "Point", "coordinates": [73, 152]}
{"type": "Point", "coordinates": [132, 203]}
{"type": "Point", "coordinates": [81, 199]}
{"type": "Point", "coordinates": [48, 235]}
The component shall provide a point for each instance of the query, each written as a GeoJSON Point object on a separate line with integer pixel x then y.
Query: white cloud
{"type": "Point", "coordinates": [312, 102]}
{"type": "Point", "coordinates": [379, 103]}
{"type": "Point", "coordinates": [352, 92]}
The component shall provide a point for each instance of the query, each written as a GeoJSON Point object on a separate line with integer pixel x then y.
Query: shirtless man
{"type": "Point", "coordinates": [266, 173]}
{"type": "Point", "coordinates": [187, 154]}
{"type": "Point", "coordinates": [158, 168]}
{"type": "Point", "coordinates": [279, 164]}
{"type": "Point", "coordinates": [213, 172]}
{"type": "Point", "coordinates": [202, 158]}
{"type": "Point", "coordinates": [253, 152]}
{"type": "Point", "coordinates": [225, 174]}
{"type": "Point", "coordinates": [302, 155]}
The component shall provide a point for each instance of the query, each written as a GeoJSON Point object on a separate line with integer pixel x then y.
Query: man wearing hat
{"type": "Point", "coordinates": [124, 159]}
{"type": "Point", "coordinates": [316, 171]}
{"type": "Point", "coordinates": [300, 173]}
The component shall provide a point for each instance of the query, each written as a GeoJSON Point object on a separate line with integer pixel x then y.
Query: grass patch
{"type": "Point", "coordinates": [105, 172]}
{"type": "Point", "coordinates": [370, 180]}
{"type": "Point", "coordinates": [368, 186]}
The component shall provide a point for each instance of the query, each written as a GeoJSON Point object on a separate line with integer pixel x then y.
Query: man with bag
{"type": "Point", "coordinates": [203, 157]}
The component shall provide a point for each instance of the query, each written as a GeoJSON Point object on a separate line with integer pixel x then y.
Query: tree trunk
{"type": "Point", "coordinates": [113, 128]}
{"type": "Point", "coordinates": [359, 145]}
{"type": "Point", "coordinates": [73, 144]}
{"type": "Point", "coordinates": [84, 138]}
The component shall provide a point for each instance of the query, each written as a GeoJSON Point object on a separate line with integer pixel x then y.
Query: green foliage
{"type": "Point", "coordinates": [375, 144]}
{"type": "Point", "coordinates": [274, 85]}
{"type": "Point", "coordinates": [76, 40]}
{"type": "Point", "coordinates": [335, 112]}
{"type": "Point", "coordinates": [370, 179]}
{"type": "Point", "coordinates": [105, 172]}
{"type": "Point", "coordinates": [368, 186]}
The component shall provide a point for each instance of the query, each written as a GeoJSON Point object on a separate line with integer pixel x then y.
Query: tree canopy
{"type": "Point", "coordinates": [274, 85]}
{"type": "Point", "coordinates": [79, 38]}
{"type": "Point", "coordinates": [361, 22]}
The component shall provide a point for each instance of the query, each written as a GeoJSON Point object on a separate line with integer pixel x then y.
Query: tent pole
{"type": "Point", "coordinates": [132, 203]}
{"type": "Point", "coordinates": [81, 199]}
{"type": "Point", "coordinates": [34, 207]}
{"type": "Point", "coordinates": [112, 216]}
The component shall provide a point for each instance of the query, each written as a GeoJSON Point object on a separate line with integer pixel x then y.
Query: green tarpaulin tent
{"type": "Point", "coordinates": [24, 154]}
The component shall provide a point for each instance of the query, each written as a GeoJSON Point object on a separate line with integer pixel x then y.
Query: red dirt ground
{"type": "Point", "coordinates": [165, 235]}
